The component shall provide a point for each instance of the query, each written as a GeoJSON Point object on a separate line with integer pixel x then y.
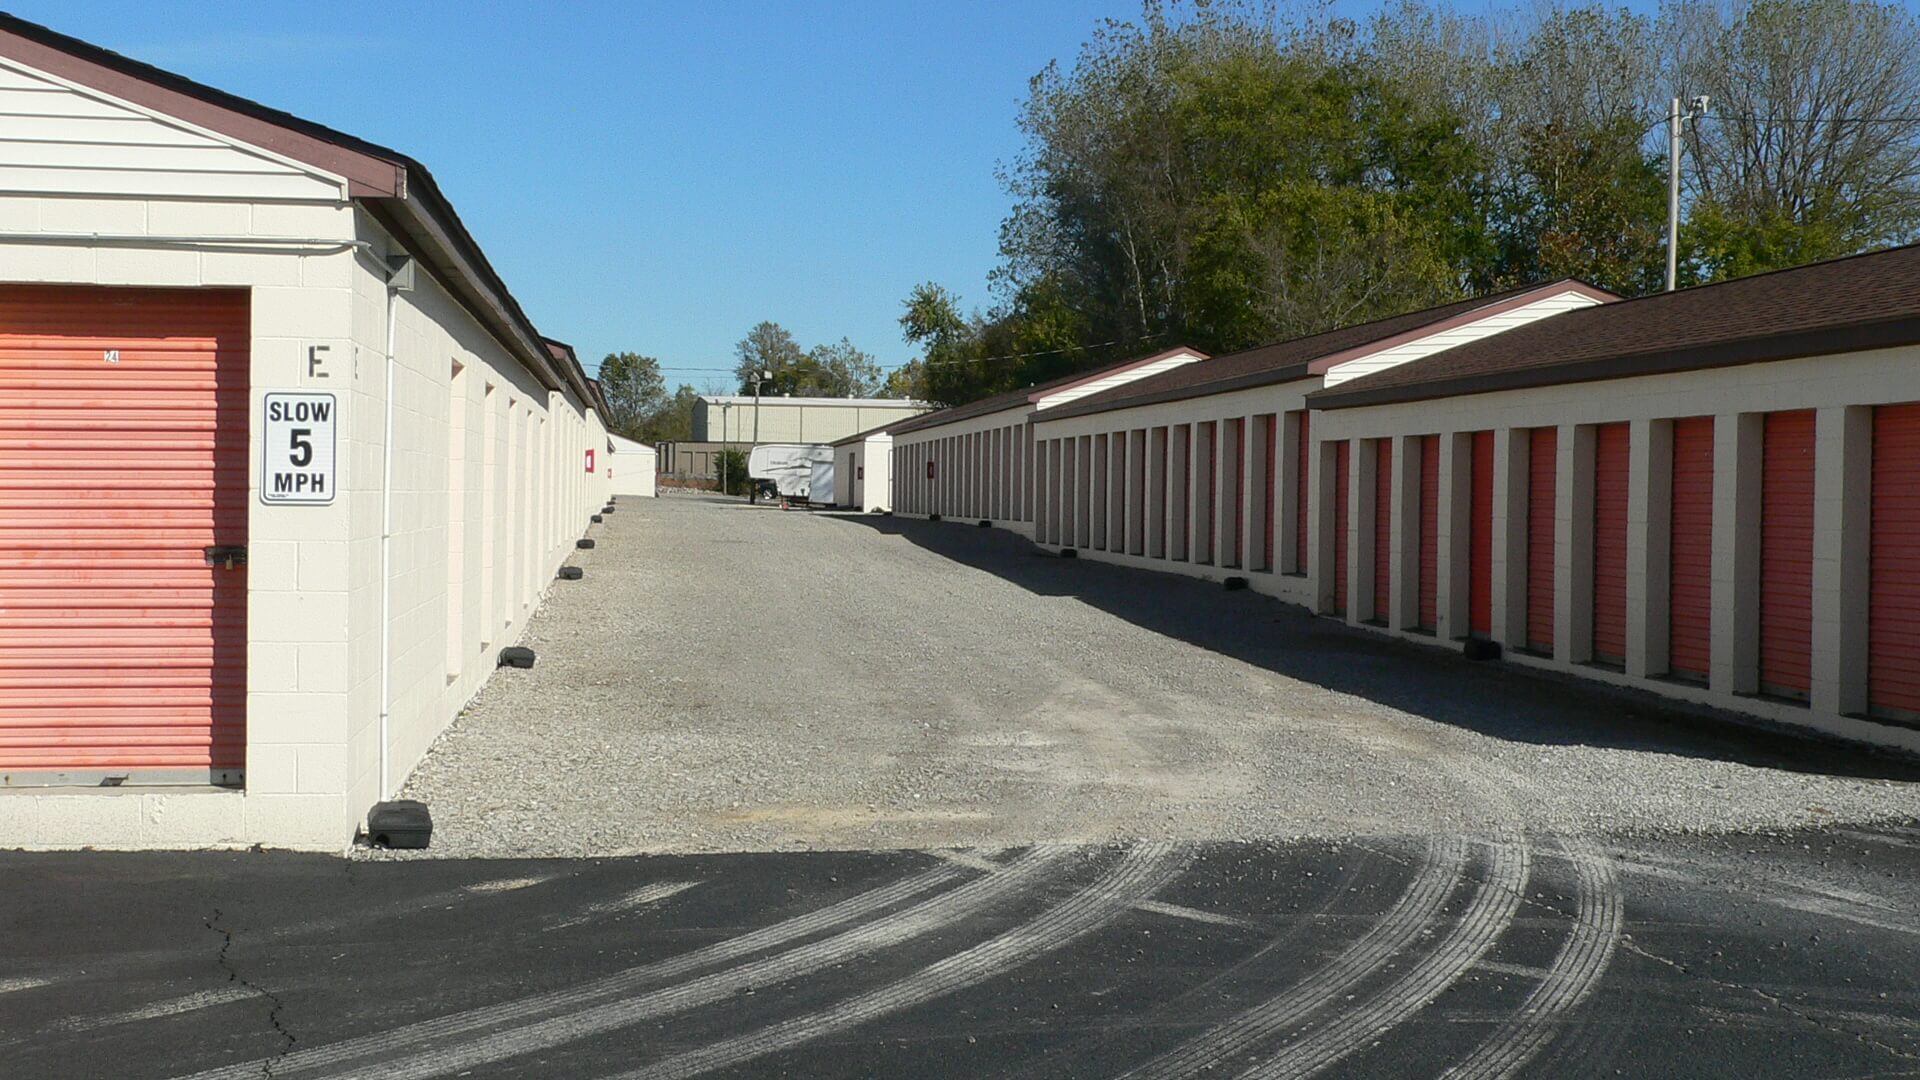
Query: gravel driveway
{"type": "Point", "coordinates": [731, 678]}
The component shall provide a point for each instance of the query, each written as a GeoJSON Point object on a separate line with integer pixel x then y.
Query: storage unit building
{"type": "Point", "coordinates": [631, 467]}
{"type": "Point", "coordinates": [283, 463]}
{"type": "Point", "coordinates": [977, 461]}
{"type": "Point", "coordinates": [1195, 466]}
{"type": "Point", "coordinates": [1700, 493]}
{"type": "Point", "coordinates": [864, 462]}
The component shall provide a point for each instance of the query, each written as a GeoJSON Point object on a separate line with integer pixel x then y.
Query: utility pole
{"type": "Point", "coordinates": [725, 446]}
{"type": "Point", "coordinates": [1695, 110]}
{"type": "Point", "coordinates": [760, 375]}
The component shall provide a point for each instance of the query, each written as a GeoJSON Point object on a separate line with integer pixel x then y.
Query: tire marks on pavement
{"type": "Point", "coordinates": [1487, 916]}
{"type": "Point", "coordinates": [1567, 982]}
{"type": "Point", "coordinates": [1143, 871]}
{"type": "Point", "coordinates": [1440, 872]}
{"type": "Point", "coordinates": [521, 1010]}
{"type": "Point", "coordinates": [942, 910]}
{"type": "Point", "coordinates": [644, 896]}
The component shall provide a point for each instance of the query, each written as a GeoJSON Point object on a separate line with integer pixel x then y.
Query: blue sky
{"type": "Point", "coordinates": [660, 177]}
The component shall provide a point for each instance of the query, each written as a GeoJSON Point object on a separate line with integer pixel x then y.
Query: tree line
{"type": "Point", "coordinates": [1223, 175]}
{"type": "Point", "coordinates": [640, 407]}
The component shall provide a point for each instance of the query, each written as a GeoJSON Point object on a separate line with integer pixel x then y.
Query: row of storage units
{"type": "Point", "coordinates": [283, 466]}
{"type": "Point", "coordinates": [976, 461]}
{"type": "Point", "coordinates": [1709, 494]}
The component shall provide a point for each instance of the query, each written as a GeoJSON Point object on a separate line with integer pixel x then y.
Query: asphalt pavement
{"type": "Point", "coordinates": [1030, 818]}
{"type": "Point", "coordinates": [1791, 954]}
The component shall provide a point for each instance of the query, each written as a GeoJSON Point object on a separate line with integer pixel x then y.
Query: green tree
{"type": "Point", "coordinates": [673, 420]}
{"type": "Point", "coordinates": [909, 380]}
{"type": "Point", "coordinates": [839, 369]}
{"type": "Point", "coordinates": [1812, 145]}
{"type": "Point", "coordinates": [634, 389]}
{"type": "Point", "coordinates": [730, 472]}
{"type": "Point", "coordinates": [767, 347]}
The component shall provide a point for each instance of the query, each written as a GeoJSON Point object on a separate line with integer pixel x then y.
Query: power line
{"type": "Point", "coordinates": [1815, 119]}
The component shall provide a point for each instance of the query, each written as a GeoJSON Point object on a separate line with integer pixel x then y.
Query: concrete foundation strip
{"type": "Point", "coordinates": [1403, 924]}
{"type": "Point", "coordinates": [859, 906]}
{"type": "Point", "coordinates": [940, 911]}
{"type": "Point", "coordinates": [1143, 871]}
{"type": "Point", "coordinates": [1567, 982]}
{"type": "Point", "coordinates": [1487, 916]}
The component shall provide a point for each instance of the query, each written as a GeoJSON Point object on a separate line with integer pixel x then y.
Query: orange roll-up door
{"type": "Point", "coordinates": [1690, 550]}
{"type": "Point", "coordinates": [1786, 553]}
{"type": "Point", "coordinates": [1543, 470]}
{"type": "Point", "coordinates": [1480, 541]}
{"type": "Point", "coordinates": [1610, 452]}
{"type": "Point", "coordinates": [1893, 604]}
{"type": "Point", "coordinates": [1382, 529]}
{"type": "Point", "coordinates": [123, 456]}
{"type": "Point", "coordinates": [1429, 531]}
{"type": "Point", "coordinates": [1341, 464]}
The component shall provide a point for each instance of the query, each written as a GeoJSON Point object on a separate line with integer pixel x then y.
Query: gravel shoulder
{"type": "Point", "coordinates": [737, 678]}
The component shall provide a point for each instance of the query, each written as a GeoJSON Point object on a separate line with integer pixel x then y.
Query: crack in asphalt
{"type": "Point", "coordinates": [1775, 1000]}
{"type": "Point", "coordinates": [212, 922]}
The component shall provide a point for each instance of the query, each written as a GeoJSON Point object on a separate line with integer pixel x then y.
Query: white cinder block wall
{"type": "Point", "coordinates": [478, 531]}
{"type": "Point", "coordinates": [1120, 529]}
{"type": "Point", "coordinates": [982, 470]}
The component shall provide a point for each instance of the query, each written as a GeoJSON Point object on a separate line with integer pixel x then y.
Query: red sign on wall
{"type": "Point", "coordinates": [859, 472]}
{"type": "Point", "coordinates": [929, 470]}
{"type": "Point", "coordinates": [589, 460]}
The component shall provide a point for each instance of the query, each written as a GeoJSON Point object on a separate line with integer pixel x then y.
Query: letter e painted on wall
{"type": "Point", "coordinates": [297, 449]}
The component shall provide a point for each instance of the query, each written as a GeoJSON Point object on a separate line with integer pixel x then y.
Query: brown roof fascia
{"type": "Point", "coordinates": [1024, 397]}
{"type": "Point", "coordinates": [1271, 377]}
{"type": "Point", "coordinates": [1532, 296]}
{"type": "Point", "coordinates": [1757, 350]}
{"type": "Point", "coordinates": [369, 170]}
{"type": "Point", "coordinates": [588, 388]}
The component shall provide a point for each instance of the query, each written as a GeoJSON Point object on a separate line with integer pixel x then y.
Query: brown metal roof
{"type": "Point", "coordinates": [1015, 398]}
{"type": "Point", "coordinates": [1298, 358]}
{"type": "Point", "coordinates": [1860, 302]}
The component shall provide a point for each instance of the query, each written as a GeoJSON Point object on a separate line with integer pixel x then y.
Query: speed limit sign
{"type": "Point", "coordinates": [297, 449]}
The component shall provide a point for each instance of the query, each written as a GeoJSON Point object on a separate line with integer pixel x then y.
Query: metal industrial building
{"type": "Point", "coordinates": [284, 465]}
{"type": "Point", "coordinates": [738, 421]}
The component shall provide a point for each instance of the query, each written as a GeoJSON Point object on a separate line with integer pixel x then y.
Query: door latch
{"type": "Point", "coordinates": [229, 555]}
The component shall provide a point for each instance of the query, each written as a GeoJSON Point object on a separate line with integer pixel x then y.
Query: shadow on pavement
{"type": "Point", "coordinates": [1500, 700]}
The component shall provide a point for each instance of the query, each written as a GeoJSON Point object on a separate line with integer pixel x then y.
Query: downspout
{"type": "Point", "coordinates": [401, 280]}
